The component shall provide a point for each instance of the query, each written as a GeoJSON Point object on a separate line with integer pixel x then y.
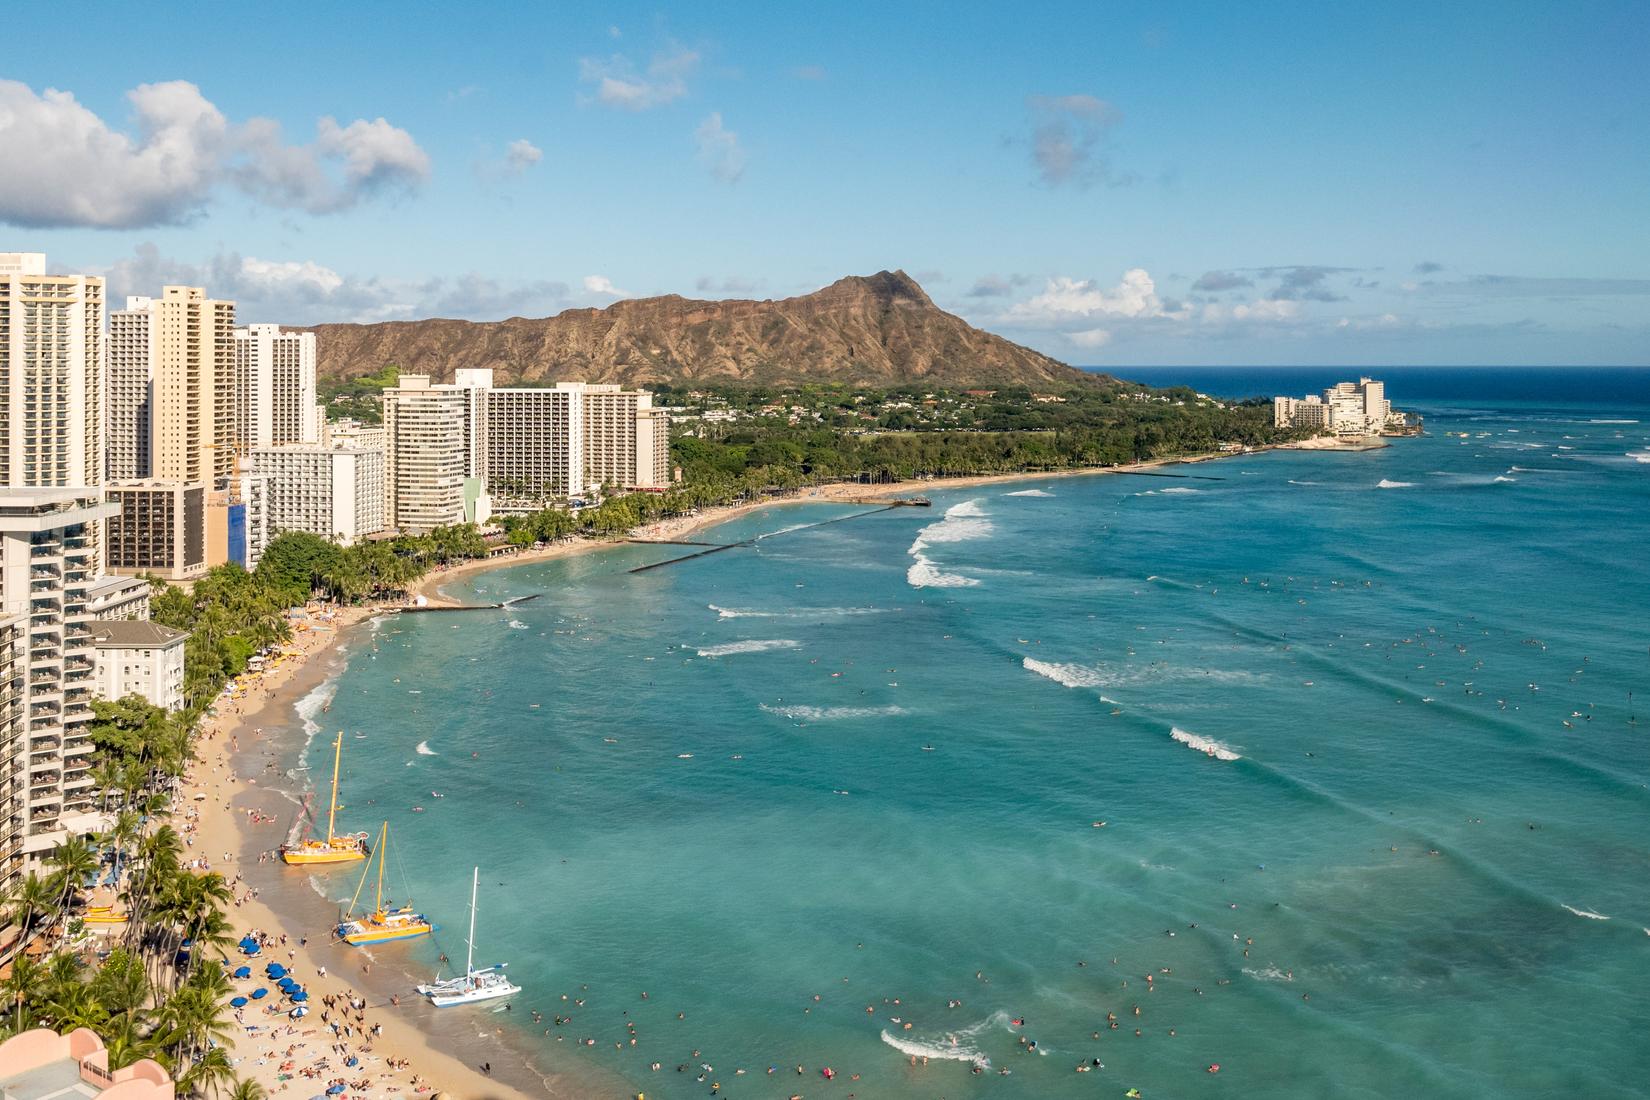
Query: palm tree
{"type": "Point", "coordinates": [30, 899]}
{"type": "Point", "coordinates": [23, 987]}
{"type": "Point", "coordinates": [75, 860]}
{"type": "Point", "coordinates": [247, 1089]}
{"type": "Point", "coordinates": [211, 1070]}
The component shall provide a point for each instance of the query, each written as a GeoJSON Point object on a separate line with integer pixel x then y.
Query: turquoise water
{"type": "Point", "coordinates": [1428, 809]}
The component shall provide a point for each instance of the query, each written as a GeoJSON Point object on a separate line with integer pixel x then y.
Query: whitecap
{"type": "Point", "coordinates": [962, 523]}
{"type": "Point", "coordinates": [424, 749]}
{"type": "Point", "coordinates": [751, 646]}
{"type": "Point", "coordinates": [831, 714]}
{"type": "Point", "coordinates": [1588, 913]}
{"type": "Point", "coordinates": [1182, 489]}
{"type": "Point", "coordinates": [1029, 493]}
{"type": "Point", "coordinates": [1269, 974]}
{"type": "Point", "coordinates": [1072, 676]}
{"type": "Point", "coordinates": [1206, 745]}
{"type": "Point", "coordinates": [1505, 478]}
{"type": "Point", "coordinates": [1612, 421]}
{"type": "Point", "coordinates": [1387, 484]}
{"type": "Point", "coordinates": [1639, 456]}
{"type": "Point", "coordinates": [795, 612]}
{"type": "Point", "coordinates": [917, 1049]}
{"type": "Point", "coordinates": [517, 624]}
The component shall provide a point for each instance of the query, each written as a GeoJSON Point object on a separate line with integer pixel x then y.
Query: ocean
{"type": "Point", "coordinates": [1327, 770]}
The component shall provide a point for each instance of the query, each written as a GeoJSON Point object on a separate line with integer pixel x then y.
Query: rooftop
{"type": "Point", "coordinates": [129, 633]}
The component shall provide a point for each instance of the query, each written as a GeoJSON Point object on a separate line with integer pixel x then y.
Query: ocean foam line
{"type": "Point", "coordinates": [917, 1049]}
{"type": "Point", "coordinates": [1386, 484]}
{"type": "Point", "coordinates": [751, 646]}
{"type": "Point", "coordinates": [1029, 493]}
{"type": "Point", "coordinates": [1181, 489]}
{"type": "Point", "coordinates": [424, 749]}
{"type": "Point", "coordinates": [1206, 745]}
{"type": "Point", "coordinates": [830, 714]}
{"type": "Point", "coordinates": [1588, 913]}
{"type": "Point", "coordinates": [1072, 676]}
{"type": "Point", "coordinates": [795, 612]}
{"type": "Point", "coordinates": [1639, 456]}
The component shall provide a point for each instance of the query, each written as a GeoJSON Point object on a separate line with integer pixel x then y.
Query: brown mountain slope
{"type": "Point", "coordinates": [875, 330]}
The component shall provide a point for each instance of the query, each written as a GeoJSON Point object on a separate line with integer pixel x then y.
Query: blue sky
{"type": "Point", "coordinates": [1110, 183]}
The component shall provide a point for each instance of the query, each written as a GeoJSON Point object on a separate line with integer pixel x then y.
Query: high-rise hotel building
{"type": "Point", "coordinates": [51, 374]}
{"type": "Point", "coordinates": [48, 565]}
{"type": "Point", "coordinates": [525, 446]}
{"type": "Point", "coordinates": [275, 399]}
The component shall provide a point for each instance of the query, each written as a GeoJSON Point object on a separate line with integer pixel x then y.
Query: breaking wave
{"type": "Point", "coordinates": [956, 1046]}
{"type": "Point", "coordinates": [1588, 913]}
{"type": "Point", "coordinates": [1181, 489]}
{"type": "Point", "coordinates": [752, 646]}
{"type": "Point", "coordinates": [1206, 745]}
{"type": "Point", "coordinates": [962, 523]}
{"type": "Point", "coordinates": [794, 613]}
{"type": "Point", "coordinates": [1029, 493]}
{"type": "Point", "coordinates": [1072, 676]}
{"type": "Point", "coordinates": [831, 714]}
{"type": "Point", "coordinates": [1387, 484]}
{"type": "Point", "coordinates": [424, 749]}
{"type": "Point", "coordinates": [1639, 456]}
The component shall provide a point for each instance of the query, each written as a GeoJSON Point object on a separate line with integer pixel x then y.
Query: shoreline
{"type": "Point", "coordinates": [236, 750]}
{"type": "Point", "coordinates": [430, 585]}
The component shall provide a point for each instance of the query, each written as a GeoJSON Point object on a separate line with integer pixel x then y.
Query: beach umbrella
{"type": "Point", "coordinates": [299, 1013]}
{"type": "Point", "coordinates": [249, 945]}
{"type": "Point", "coordinates": [243, 972]}
{"type": "Point", "coordinates": [288, 985]}
{"type": "Point", "coordinates": [237, 1002]}
{"type": "Point", "coordinates": [259, 993]}
{"type": "Point", "coordinates": [335, 1090]}
{"type": "Point", "coordinates": [300, 996]}
{"type": "Point", "coordinates": [275, 970]}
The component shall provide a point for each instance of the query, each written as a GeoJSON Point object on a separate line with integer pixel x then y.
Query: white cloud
{"type": "Point", "coordinates": [1090, 338]}
{"type": "Point", "coordinates": [521, 155]}
{"type": "Point", "coordinates": [1065, 299]}
{"type": "Point", "coordinates": [601, 284]}
{"type": "Point", "coordinates": [1068, 140]}
{"type": "Point", "coordinates": [304, 292]}
{"type": "Point", "coordinates": [619, 84]}
{"type": "Point", "coordinates": [83, 172]}
{"type": "Point", "coordinates": [719, 149]}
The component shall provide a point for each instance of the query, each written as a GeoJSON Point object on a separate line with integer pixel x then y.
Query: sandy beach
{"type": "Point", "coordinates": [401, 1046]}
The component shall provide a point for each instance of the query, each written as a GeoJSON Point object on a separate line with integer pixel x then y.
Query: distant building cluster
{"type": "Point", "coordinates": [163, 439]}
{"type": "Point", "coordinates": [1346, 408]}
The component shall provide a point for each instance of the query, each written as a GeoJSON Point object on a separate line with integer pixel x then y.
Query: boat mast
{"type": "Point", "coordinates": [383, 845]}
{"type": "Point", "coordinates": [470, 944]}
{"type": "Point", "coordinates": [337, 756]}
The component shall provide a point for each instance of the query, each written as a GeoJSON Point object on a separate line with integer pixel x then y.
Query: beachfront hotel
{"type": "Point", "coordinates": [137, 657]}
{"type": "Point", "coordinates": [519, 448]}
{"type": "Point", "coordinates": [335, 492]}
{"type": "Point", "coordinates": [1346, 408]}
{"type": "Point", "coordinates": [48, 564]}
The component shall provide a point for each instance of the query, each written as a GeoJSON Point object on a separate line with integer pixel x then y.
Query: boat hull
{"type": "Point", "coordinates": [469, 996]}
{"type": "Point", "coordinates": [340, 850]}
{"type": "Point", "coordinates": [357, 935]}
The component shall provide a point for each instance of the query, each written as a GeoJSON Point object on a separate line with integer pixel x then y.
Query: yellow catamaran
{"type": "Point", "coordinates": [334, 848]}
{"type": "Point", "coordinates": [381, 925]}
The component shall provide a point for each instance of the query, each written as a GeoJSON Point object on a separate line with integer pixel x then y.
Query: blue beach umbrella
{"type": "Point", "coordinates": [275, 970]}
{"type": "Point", "coordinates": [243, 972]}
{"type": "Point", "coordinates": [249, 946]}
{"type": "Point", "coordinates": [259, 993]}
{"type": "Point", "coordinates": [335, 1090]}
{"type": "Point", "coordinates": [237, 1002]}
{"type": "Point", "coordinates": [299, 997]}
{"type": "Point", "coordinates": [299, 1013]}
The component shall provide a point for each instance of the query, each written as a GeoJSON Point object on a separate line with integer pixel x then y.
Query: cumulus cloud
{"type": "Point", "coordinates": [719, 150]}
{"type": "Point", "coordinates": [521, 155]}
{"type": "Point", "coordinates": [1068, 139]}
{"type": "Point", "coordinates": [601, 284]}
{"type": "Point", "coordinates": [304, 292]}
{"type": "Point", "coordinates": [1213, 282]}
{"type": "Point", "coordinates": [1090, 338]}
{"type": "Point", "coordinates": [1065, 299]}
{"type": "Point", "coordinates": [83, 172]}
{"type": "Point", "coordinates": [620, 84]}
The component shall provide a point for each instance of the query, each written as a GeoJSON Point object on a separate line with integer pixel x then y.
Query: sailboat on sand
{"type": "Point", "coordinates": [381, 925]}
{"type": "Point", "coordinates": [474, 985]}
{"type": "Point", "coordinates": [333, 848]}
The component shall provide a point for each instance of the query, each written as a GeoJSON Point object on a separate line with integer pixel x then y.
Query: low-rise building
{"type": "Point", "coordinates": [114, 597]}
{"type": "Point", "coordinates": [139, 658]}
{"type": "Point", "coordinates": [40, 1064]}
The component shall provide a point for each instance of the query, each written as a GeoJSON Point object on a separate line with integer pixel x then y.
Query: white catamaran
{"type": "Point", "coordinates": [474, 985]}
